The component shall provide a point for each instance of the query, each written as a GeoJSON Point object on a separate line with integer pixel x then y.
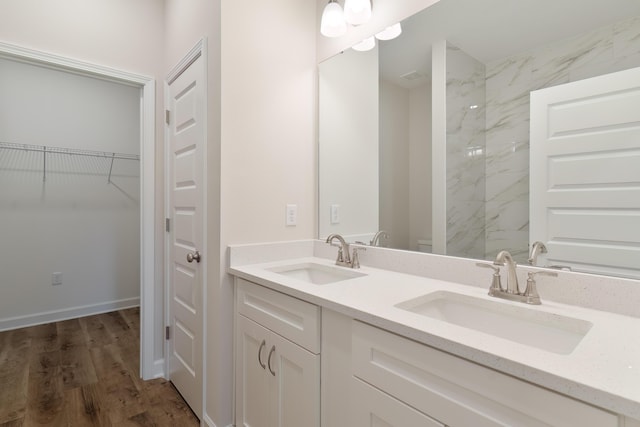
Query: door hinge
{"type": "Point", "coordinates": [167, 333]}
{"type": "Point", "coordinates": [166, 116]}
{"type": "Point", "coordinates": [167, 224]}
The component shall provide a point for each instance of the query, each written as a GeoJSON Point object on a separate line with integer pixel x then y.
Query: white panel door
{"type": "Point", "coordinates": [186, 257]}
{"type": "Point", "coordinates": [585, 173]}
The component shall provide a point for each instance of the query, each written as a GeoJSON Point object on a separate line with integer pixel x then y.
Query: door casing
{"type": "Point", "coordinates": [149, 366]}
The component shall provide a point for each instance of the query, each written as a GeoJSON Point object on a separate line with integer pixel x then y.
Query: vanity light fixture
{"type": "Point", "coordinates": [390, 33]}
{"type": "Point", "coordinates": [357, 12]}
{"type": "Point", "coordinates": [333, 23]}
{"type": "Point", "coordinates": [365, 45]}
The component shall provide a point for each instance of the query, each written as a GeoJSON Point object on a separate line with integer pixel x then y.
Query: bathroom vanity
{"type": "Point", "coordinates": [323, 345]}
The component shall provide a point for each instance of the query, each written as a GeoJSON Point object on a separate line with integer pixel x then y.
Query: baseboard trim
{"type": "Point", "coordinates": [158, 369]}
{"type": "Point", "coordinates": [67, 313]}
{"type": "Point", "coordinates": [207, 421]}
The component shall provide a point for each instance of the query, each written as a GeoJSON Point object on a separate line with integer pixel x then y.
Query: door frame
{"type": "Point", "coordinates": [149, 368]}
{"type": "Point", "coordinates": [199, 50]}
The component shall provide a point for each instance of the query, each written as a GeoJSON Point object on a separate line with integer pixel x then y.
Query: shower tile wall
{"type": "Point", "coordinates": [465, 154]}
{"type": "Point", "coordinates": [509, 81]}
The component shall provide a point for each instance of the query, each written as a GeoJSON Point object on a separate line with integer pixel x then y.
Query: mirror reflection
{"type": "Point", "coordinates": [470, 65]}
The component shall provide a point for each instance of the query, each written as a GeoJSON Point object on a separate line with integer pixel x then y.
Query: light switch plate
{"type": "Point", "coordinates": [335, 214]}
{"type": "Point", "coordinates": [56, 279]}
{"type": "Point", "coordinates": [292, 215]}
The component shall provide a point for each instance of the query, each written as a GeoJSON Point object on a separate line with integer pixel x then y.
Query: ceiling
{"type": "Point", "coordinates": [493, 29]}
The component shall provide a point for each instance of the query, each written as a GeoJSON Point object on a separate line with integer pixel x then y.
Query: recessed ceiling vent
{"type": "Point", "coordinates": [412, 75]}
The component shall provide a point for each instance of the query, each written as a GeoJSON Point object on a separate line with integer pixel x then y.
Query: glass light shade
{"type": "Point", "coordinates": [366, 44]}
{"type": "Point", "coordinates": [357, 12]}
{"type": "Point", "coordinates": [390, 32]}
{"type": "Point", "coordinates": [333, 23]}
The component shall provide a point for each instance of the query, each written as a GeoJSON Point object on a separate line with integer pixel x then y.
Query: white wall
{"type": "Point", "coordinates": [44, 106]}
{"type": "Point", "coordinates": [268, 128]}
{"type": "Point", "coordinates": [75, 222]}
{"type": "Point", "coordinates": [394, 163]}
{"type": "Point", "coordinates": [121, 34]}
{"type": "Point", "coordinates": [419, 164]}
{"type": "Point", "coordinates": [348, 144]}
{"type": "Point", "coordinates": [405, 164]}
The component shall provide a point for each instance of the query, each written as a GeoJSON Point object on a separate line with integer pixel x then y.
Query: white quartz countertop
{"type": "Point", "coordinates": [604, 369]}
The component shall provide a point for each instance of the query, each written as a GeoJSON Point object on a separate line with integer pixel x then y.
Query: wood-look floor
{"type": "Point", "coordinates": [83, 372]}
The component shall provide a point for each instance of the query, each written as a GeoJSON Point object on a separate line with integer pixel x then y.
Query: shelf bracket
{"type": "Point", "coordinates": [111, 168]}
{"type": "Point", "coordinates": [44, 163]}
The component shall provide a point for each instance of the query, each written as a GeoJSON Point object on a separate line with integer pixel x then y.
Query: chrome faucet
{"type": "Point", "coordinates": [344, 259]}
{"type": "Point", "coordinates": [343, 250]}
{"type": "Point", "coordinates": [376, 238]}
{"type": "Point", "coordinates": [505, 258]}
{"type": "Point", "coordinates": [512, 293]}
{"type": "Point", "coordinates": [537, 248]}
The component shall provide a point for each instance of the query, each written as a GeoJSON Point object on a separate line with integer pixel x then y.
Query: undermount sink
{"type": "Point", "coordinates": [524, 325]}
{"type": "Point", "coordinates": [317, 274]}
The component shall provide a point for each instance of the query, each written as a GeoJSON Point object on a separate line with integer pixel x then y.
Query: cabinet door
{"type": "Point", "coordinates": [458, 392]}
{"type": "Point", "coordinates": [373, 408]}
{"type": "Point", "coordinates": [252, 381]}
{"type": "Point", "coordinates": [294, 384]}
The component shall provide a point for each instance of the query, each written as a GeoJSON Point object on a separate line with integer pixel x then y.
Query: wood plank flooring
{"type": "Point", "coordinates": [83, 372]}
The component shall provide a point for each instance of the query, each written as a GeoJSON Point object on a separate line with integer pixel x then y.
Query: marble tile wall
{"type": "Point", "coordinates": [508, 83]}
{"type": "Point", "coordinates": [465, 154]}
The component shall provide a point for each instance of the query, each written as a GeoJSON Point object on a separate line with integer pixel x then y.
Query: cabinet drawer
{"type": "Point", "coordinates": [458, 392]}
{"type": "Point", "coordinates": [289, 317]}
{"type": "Point", "coordinates": [373, 408]}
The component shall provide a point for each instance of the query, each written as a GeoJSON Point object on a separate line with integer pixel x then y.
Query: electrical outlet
{"type": "Point", "coordinates": [335, 214]}
{"type": "Point", "coordinates": [292, 215]}
{"type": "Point", "coordinates": [56, 279]}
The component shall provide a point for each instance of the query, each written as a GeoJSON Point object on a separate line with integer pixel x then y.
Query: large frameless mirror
{"type": "Point", "coordinates": [380, 167]}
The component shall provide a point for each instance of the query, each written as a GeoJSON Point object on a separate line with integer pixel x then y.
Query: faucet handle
{"type": "Point", "coordinates": [491, 266]}
{"type": "Point", "coordinates": [531, 292]}
{"type": "Point", "coordinates": [355, 260]}
{"type": "Point", "coordinates": [531, 274]}
{"type": "Point", "coordinates": [496, 284]}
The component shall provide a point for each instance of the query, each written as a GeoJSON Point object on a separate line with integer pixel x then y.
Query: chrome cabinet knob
{"type": "Point", "coordinates": [193, 256]}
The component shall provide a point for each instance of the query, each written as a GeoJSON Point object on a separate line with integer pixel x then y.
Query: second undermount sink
{"type": "Point", "coordinates": [317, 274]}
{"type": "Point", "coordinates": [524, 325]}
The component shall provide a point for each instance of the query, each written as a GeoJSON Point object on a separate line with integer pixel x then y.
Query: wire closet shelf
{"type": "Point", "coordinates": [68, 151]}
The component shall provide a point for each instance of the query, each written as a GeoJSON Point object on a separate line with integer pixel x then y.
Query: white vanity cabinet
{"type": "Point", "coordinates": [277, 359]}
{"type": "Point", "coordinates": [327, 364]}
{"type": "Point", "coordinates": [419, 380]}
